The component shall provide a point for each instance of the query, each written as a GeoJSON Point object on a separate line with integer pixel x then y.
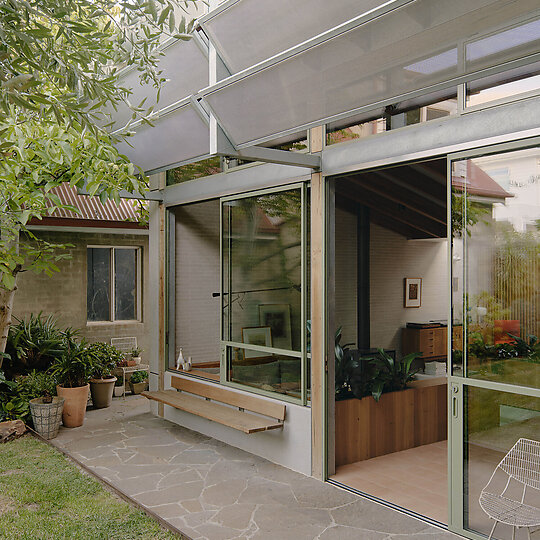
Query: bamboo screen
{"type": "Point", "coordinates": [517, 278]}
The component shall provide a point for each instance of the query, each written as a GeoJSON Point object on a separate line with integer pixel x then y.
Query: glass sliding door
{"type": "Point", "coordinates": [264, 326]}
{"type": "Point", "coordinates": [495, 379]}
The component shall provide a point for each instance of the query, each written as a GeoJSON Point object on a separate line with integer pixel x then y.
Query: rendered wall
{"type": "Point", "coordinates": [290, 446]}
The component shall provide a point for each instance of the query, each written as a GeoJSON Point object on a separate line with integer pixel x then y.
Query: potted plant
{"type": "Point", "coordinates": [72, 371]}
{"type": "Point", "coordinates": [138, 382]}
{"type": "Point", "coordinates": [136, 355]}
{"type": "Point", "coordinates": [104, 359]}
{"type": "Point", "coordinates": [119, 386]}
{"type": "Point", "coordinates": [45, 407]}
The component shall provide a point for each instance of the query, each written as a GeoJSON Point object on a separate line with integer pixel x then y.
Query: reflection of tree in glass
{"type": "Point", "coordinates": [277, 217]}
{"type": "Point", "coordinates": [461, 207]}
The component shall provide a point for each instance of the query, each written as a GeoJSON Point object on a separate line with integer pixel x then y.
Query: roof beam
{"type": "Point", "coordinates": [408, 202]}
{"type": "Point", "coordinates": [392, 210]}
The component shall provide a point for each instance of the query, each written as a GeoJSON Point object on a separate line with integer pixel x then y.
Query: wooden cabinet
{"type": "Point", "coordinates": [431, 342]}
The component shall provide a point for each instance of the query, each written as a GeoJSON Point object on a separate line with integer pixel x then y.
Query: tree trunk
{"type": "Point", "coordinates": [6, 307]}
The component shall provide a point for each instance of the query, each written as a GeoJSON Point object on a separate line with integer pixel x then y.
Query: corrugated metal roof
{"type": "Point", "coordinates": [92, 208]}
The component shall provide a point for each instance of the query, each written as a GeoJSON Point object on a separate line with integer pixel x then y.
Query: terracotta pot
{"type": "Point", "coordinates": [102, 392]}
{"type": "Point", "coordinates": [74, 405]}
{"type": "Point", "coordinates": [46, 417]}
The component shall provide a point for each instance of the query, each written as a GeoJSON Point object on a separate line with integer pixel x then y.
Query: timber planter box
{"type": "Point", "coordinates": [400, 420]}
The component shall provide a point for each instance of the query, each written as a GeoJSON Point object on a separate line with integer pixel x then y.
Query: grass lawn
{"type": "Point", "coordinates": [44, 496]}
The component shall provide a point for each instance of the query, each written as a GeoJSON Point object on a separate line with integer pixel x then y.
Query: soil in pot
{"type": "Point", "coordinates": [74, 405]}
{"type": "Point", "coordinates": [102, 392]}
{"type": "Point", "coordinates": [46, 417]}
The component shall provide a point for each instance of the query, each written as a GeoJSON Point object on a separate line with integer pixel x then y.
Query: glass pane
{"type": "Point", "coordinates": [500, 240]}
{"type": "Point", "coordinates": [270, 372]}
{"type": "Point", "coordinates": [175, 137]}
{"type": "Point", "coordinates": [411, 48]}
{"type": "Point", "coordinates": [512, 86]}
{"type": "Point", "coordinates": [98, 284]}
{"type": "Point", "coordinates": [262, 269]}
{"type": "Point", "coordinates": [200, 169]}
{"type": "Point", "coordinates": [196, 286]}
{"type": "Point", "coordinates": [125, 284]}
{"type": "Point", "coordinates": [495, 421]}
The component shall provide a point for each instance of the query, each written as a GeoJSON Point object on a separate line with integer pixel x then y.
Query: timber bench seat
{"type": "Point", "coordinates": [222, 405]}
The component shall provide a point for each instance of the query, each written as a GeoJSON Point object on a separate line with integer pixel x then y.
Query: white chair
{"type": "Point", "coordinates": [521, 464]}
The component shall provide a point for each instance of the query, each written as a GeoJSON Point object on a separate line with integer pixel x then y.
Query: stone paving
{"type": "Point", "coordinates": [209, 490]}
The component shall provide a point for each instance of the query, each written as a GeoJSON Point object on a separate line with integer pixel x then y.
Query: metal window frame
{"type": "Point", "coordinates": [458, 384]}
{"type": "Point", "coordinates": [227, 344]}
{"type": "Point", "coordinates": [112, 291]}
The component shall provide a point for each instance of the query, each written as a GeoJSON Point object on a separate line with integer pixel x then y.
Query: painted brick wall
{"type": "Point", "coordinates": [64, 293]}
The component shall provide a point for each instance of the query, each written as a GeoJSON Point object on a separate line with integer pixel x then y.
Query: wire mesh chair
{"type": "Point", "coordinates": [522, 464]}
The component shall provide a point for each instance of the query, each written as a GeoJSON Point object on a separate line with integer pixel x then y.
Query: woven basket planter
{"type": "Point", "coordinates": [47, 416]}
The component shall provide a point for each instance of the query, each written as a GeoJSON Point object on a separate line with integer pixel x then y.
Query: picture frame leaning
{"type": "Point", "coordinates": [278, 318]}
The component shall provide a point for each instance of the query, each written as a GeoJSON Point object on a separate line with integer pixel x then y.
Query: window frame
{"type": "Point", "coordinates": [302, 354]}
{"type": "Point", "coordinates": [112, 291]}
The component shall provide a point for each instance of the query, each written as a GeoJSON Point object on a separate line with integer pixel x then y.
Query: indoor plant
{"type": "Point", "coordinates": [72, 371]}
{"type": "Point", "coordinates": [46, 408]}
{"type": "Point", "coordinates": [104, 359]}
{"type": "Point", "coordinates": [138, 382]}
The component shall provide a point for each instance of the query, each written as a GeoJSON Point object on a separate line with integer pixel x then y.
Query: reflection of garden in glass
{"type": "Point", "coordinates": [498, 229]}
{"type": "Point", "coordinates": [262, 279]}
{"type": "Point", "coordinates": [495, 421]}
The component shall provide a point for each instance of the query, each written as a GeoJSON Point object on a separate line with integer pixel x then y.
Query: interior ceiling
{"type": "Point", "coordinates": [407, 199]}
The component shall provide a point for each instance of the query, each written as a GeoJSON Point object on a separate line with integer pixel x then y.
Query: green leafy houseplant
{"type": "Point", "coordinates": [136, 352]}
{"type": "Point", "coordinates": [139, 377]}
{"type": "Point", "coordinates": [104, 359]}
{"type": "Point", "coordinates": [74, 367]}
{"type": "Point", "coordinates": [393, 375]}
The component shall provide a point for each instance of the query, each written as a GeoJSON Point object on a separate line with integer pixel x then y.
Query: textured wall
{"type": "Point", "coordinates": [64, 293]}
{"type": "Point", "coordinates": [394, 258]}
{"type": "Point", "coordinates": [197, 277]}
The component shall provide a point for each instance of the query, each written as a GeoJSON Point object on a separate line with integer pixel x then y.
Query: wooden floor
{"type": "Point", "coordinates": [415, 479]}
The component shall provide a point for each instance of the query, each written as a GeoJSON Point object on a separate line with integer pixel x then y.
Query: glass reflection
{"type": "Point", "coordinates": [495, 421]}
{"type": "Point", "coordinates": [496, 221]}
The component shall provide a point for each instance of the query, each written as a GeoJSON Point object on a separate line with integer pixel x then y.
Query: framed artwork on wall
{"type": "Point", "coordinates": [413, 292]}
{"type": "Point", "coordinates": [257, 335]}
{"type": "Point", "coordinates": [278, 318]}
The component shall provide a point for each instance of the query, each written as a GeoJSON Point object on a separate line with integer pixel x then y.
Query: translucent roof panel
{"type": "Point", "coordinates": [406, 50]}
{"type": "Point", "coordinates": [249, 31]}
{"type": "Point", "coordinates": [184, 65]}
{"type": "Point", "coordinates": [178, 136]}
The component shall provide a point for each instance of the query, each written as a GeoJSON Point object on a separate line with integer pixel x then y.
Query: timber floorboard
{"type": "Point", "coordinates": [415, 479]}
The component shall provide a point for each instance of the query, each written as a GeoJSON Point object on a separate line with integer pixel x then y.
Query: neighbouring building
{"type": "Point", "coordinates": [333, 179]}
{"type": "Point", "coordinates": [101, 289]}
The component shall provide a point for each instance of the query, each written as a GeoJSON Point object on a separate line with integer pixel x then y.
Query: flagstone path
{"type": "Point", "coordinates": [209, 490]}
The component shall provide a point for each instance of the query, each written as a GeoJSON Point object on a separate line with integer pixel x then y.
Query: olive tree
{"type": "Point", "coordinates": [59, 65]}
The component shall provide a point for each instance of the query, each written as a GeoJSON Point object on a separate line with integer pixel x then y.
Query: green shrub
{"type": "Point", "coordinates": [104, 359]}
{"type": "Point", "coordinates": [34, 343]}
{"type": "Point", "coordinates": [75, 367]}
{"type": "Point", "coordinates": [139, 376]}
